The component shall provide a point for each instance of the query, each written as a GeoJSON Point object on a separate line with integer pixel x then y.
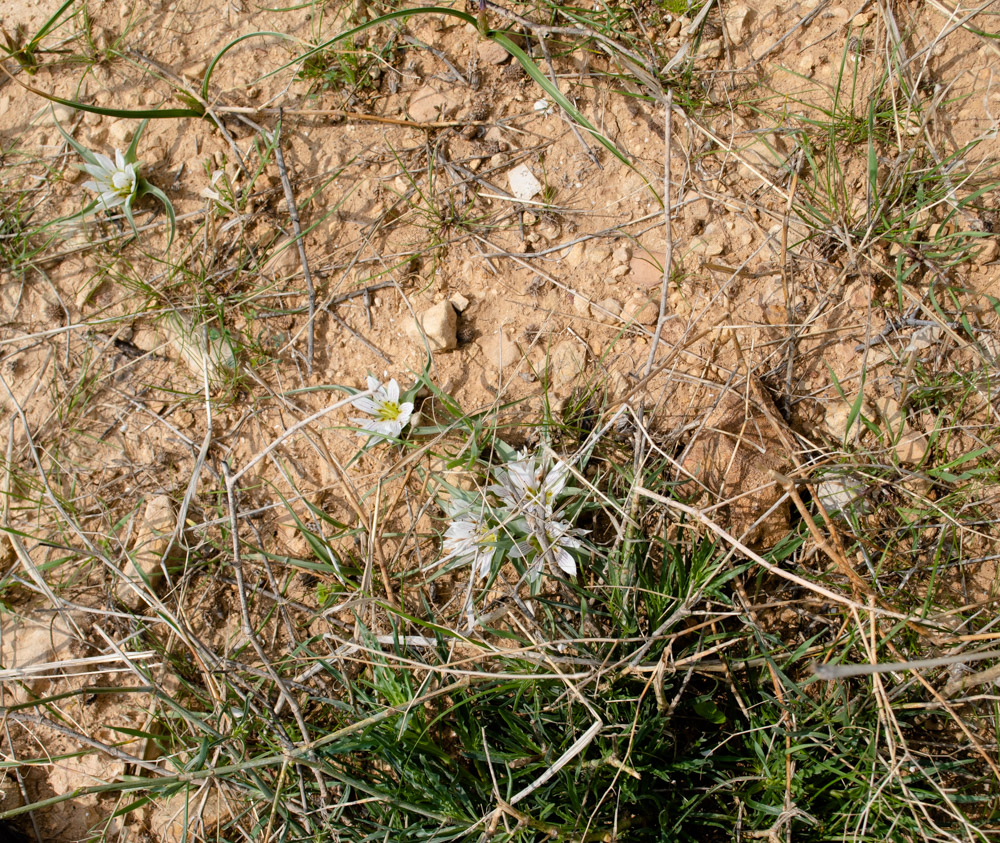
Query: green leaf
{"type": "Point", "coordinates": [82, 151]}
{"type": "Point", "coordinates": [144, 188]}
{"type": "Point", "coordinates": [709, 710]}
{"type": "Point", "coordinates": [130, 156]}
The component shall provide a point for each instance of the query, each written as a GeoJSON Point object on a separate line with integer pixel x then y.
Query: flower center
{"type": "Point", "coordinates": [122, 184]}
{"type": "Point", "coordinates": [389, 411]}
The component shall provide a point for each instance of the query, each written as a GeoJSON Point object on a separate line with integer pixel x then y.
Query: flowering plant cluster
{"type": "Point", "coordinates": [389, 414]}
{"type": "Point", "coordinates": [118, 183]}
{"type": "Point", "coordinates": [521, 516]}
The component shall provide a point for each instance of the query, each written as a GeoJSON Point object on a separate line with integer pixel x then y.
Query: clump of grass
{"type": "Point", "coordinates": [518, 631]}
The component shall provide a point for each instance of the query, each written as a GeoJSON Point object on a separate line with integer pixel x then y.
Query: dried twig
{"type": "Point", "coordinates": [293, 213]}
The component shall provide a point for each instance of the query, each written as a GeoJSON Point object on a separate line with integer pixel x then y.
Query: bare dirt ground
{"type": "Point", "coordinates": [774, 320]}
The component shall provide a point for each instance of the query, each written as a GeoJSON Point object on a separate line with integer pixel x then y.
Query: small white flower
{"type": "Point", "coordinates": [550, 540]}
{"type": "Point", "coordinates": [471, 538]}
{"type": "Point", "coordinates": [390, 416]}
{"type": "Point", "coordinates": [543, 107]}
{"type": "Point", "coordinates": [530, 486]}
{"type": "Point", "coordinates": [115, 181]}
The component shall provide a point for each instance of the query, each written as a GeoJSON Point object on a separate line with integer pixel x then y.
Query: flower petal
{"type": "Point", "coordinates": [366, 405]}
{"type": "Point", "coordinates": [565, 561]}
{"type": "Point", "coordinates": [96, 171]}
{"type": "Point", "coordinates": [106, 163]}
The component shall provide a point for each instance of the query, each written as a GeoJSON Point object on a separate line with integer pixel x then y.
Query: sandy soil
{"type": "Point", "coordinates": [768, 325]}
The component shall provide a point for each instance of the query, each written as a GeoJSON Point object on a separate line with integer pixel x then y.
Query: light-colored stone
{"type": "Point", "coordinates": [148, 339]}
{"type": "Point", "coordinates": [837, 415]}
{"type": "Point", "coordinates": [196, 70]}
{"type": "Point", "coordinates": [428, 105]}
{"type": "Point", "coordinates": [202, 351]}
{"type": "Point", "coordinates": [490, 52]}
{"type": "Point", "coordinates": [567, 359]}
{"type": "Point", "coordinates": [710, 49]}
{"type": "Point", "coordinates": [608, 311]}
{"type": "Point", "coordinates": [989, 250]}
{"type": "Point", "coordinates": [641, 310]}
{"type": "Point", "coordinates": [523, 183]}
{"type": "Point", "coordinates": [62, 114]}
{"type": "Point", "coordinates": [696, 207]}
{"type": "Point", "coordinates": [581, 304]}
{"type": "Point", "coordinates": [912, 447]}
{"type": "Point", "coordinates": [618, 272]}
{"type": "Point", "coordinates": [143, 569]}
{"type": "Point", "coordinates": [33, 642]}
{"type": "Point", "coordinates": [711, 242]}
{"type": "Point", "coordinates": [888, 410]}
{"type": "Point", "coordinates": [764, 153]}
{"type": "Point", "coordinates": [738, 19]}
{"type": "Point", "coordinates": [459, 302]}
{"type": "Point", "coordinates": [622, 253]}
{"type": "Point", "coordinates": [549, 231]}
{"type": "Point", "coordinates": [842, 495]}
{"type": "Point", "coordinates": [439, 323]}
{"type": "Point", "coordinates": [644, 273]}
{"type": "Point", "coordinates": [121, 133]}
{"type": "Point", "coordinates": [598, 253]}
{"type": "Point", "coordinates": [499, 350]}
{"type": "Point", "coordinates": [577, 255]}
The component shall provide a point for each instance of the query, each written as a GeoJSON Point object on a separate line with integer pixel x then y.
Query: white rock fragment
{"type": "Point", "coordinates": [842, 495]}
{"type": "Point", "coordinates": [204, 351]}
{"type": "Point", "coordinates": [439, 323]}
{"type": "Point", "coordinates": [764, 153]}
{"type": "Point", "coordinates": [33, 642]}
{"type": "Point", "coordinates": [523, 183]}
{"type": "Point", "coordinates": [837, 416]}
{"type": "Point", "coordinates": [459, 302]}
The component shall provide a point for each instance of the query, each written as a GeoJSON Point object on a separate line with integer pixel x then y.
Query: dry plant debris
{"type": "Point", "coordinates": [673, 331]}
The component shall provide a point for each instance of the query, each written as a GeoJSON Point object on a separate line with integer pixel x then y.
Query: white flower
{"type": "Point", "coordinates": [390, 416]}
{"type": "Point", "coordinates": [470, 537]}
{"type": "Point", "coordinates": [116, 181]}
{"type": "Point", "coordinates": [550, 540]}
{"type": "Point", "coordinates": [531, 486]}
{"type": "Point", "coordinates": [542, 107]}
